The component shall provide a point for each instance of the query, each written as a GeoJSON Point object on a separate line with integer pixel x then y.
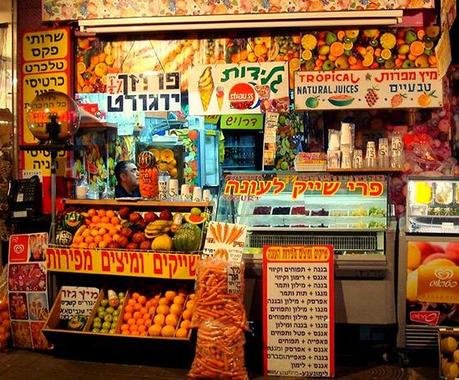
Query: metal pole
{"type": "Point", "coordinates": [52, 230]}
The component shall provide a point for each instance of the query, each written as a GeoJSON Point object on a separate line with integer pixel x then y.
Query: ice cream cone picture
{"type": "Point", "coordinates": [220, 96]}
{"type": "Point", "coordinates": [206, 87]}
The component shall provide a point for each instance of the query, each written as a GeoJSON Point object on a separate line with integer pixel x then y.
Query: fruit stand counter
{"type": "Point", "coordinates": [129, 267]}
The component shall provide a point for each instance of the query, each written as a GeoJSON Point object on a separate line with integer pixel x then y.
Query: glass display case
{"type": "Point", "coordinates": [432, 205]}
{"type": "Point", "coordinates": [303, 203]}
{"type": "Point", "coordinates": [349, 212]}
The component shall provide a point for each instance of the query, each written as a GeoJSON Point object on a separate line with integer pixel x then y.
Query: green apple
{"type": "Point", "coordinates": [97, 324]}
{"type": "Point", "coordinates": [101, 309]}
{"type": "Point", "coordinates": [95, 330]}
{"type": "Point", "coordinates": [108, 318]}
{"type": "Point", "coordinates": [97, 319]}
{"type": "Point", "coordinates": [104, 303]}
{"type": "Point", "coordinates": [101, 314]}
{"type": "Point", "coordinates": [104, 331]}
{"type": "Point", "coordinates": [109, 310]}
{"type": "Point", "coordinates": [121, 295]}
{"type": "Point", "coordinates": [116, 312]}
{"type": "Point", "coordinates": [114, 325]}
{"type": "Point", "coordinates": [106, 325]}
{"type": "Point", "coordinates": [112, 331]}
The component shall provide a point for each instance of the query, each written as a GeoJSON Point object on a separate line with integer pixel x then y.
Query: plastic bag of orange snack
{"type": "Point", "coordinates": [219, 352]}
{"type": "Point", "coordinates": [219, 293]}
{"type": "Point", "coordinates": [4, 313]}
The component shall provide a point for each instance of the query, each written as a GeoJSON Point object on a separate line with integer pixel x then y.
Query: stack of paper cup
{"type": "Point", "coordinates": [197, 194]}
{"type": "Point", "coordinates": [185, 194]}
{"type": "Point", "coordinates": [173, 188]}
{"type": "Point", "coordinates": [206, 197]}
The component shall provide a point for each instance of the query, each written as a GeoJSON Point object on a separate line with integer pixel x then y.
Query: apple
{"type": "Point", "coordinates": [111, 331]}
{"type": "Point", "coordinates": [104, 302]}
{"type": "Point", "coordinates": [126, 232]}
{"type": "Point", "coordinates": [97, 324]}
{"type": "Point", "coordinates": [121, 295]}
{"type": "Point", "coordinates": [109, 310]}
{"type": "Point", "coordinates": [104, 330]}
{"type": "Point", "coordinates": [113, 244]}
{"type": "Point", "coordinates": [108, 318]}
{"type": "Point", "coordinates": [165, 215]}
{"type": "Point", "coordinates": [145, 245]}
{"type": "Point", "coordinates": [124, 212]}
{"type": "Point", "coordinates": [135, 217]}
{"type": "Point", "coordinates": [115, 313]}
{"type": "Point", "coordinates": [106, 325]}
{"type": "Point", "coordinates": [101, 309]}
{"type": "Point", "coordinates": [123, 242]}
{"type": "Point", "coordinates": [101, 314]}
{"type": "Point", "coordinates": [150, 216]}
{"type": "Point", "coordinates": [132, 245]}
{"type": "Point", "coordinates": [96, 330]}
{"type": "Point", "coordinates": [138, 237]}
{"type": "Point", "coordinates": [141, 224]}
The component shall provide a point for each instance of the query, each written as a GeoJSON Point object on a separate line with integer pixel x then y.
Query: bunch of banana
{"type": "Point", "coordinates": [157, 227]}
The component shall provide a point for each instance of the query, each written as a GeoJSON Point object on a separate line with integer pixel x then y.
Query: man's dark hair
{"type": "Point", "coordinates": [120, 167]}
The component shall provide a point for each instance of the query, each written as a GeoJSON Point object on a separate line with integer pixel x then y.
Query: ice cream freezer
{"type": "Point", "coordinates": [428, 272]}
{"type": "Point", "coordinates": [348, 212]}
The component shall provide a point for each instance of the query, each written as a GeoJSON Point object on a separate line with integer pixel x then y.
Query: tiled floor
{"type": "Point", "coordinates": [29, 365]}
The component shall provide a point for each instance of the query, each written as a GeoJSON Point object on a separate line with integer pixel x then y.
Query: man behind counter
{"type": "Point", "coordinates": [128, 180]}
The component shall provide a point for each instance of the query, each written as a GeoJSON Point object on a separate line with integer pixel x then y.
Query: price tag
{"type": "Point", "coordinates": [298, 315]}
{"type": "Point", "coordinates": [77, 300]}
{"type": "Point", "coordinates": [447, 225]}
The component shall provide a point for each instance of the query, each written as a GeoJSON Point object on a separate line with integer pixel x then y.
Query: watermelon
{"type": "Point", "coordinates": [341, 100]}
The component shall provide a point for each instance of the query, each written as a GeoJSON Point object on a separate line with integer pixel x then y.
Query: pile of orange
{"type": "Point", "coordinates": [138, 313]}
{"type": "Point", "coordinates": [4, 324]}
{"type": "Point", "coordinates": [168, 314]}
{"type": "Point", "coordinates": [100, 228]}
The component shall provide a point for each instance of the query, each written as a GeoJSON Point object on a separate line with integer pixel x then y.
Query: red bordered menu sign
{"type": "Point", "coordinates": [298, 311]}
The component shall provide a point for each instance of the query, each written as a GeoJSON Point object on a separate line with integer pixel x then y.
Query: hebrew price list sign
{"type": "Point", "coordinates": [298, 311]}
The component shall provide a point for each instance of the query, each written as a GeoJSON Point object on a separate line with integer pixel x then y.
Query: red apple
{"type": "Point", "coordinates": [132, 246]}
{"type": "Point", "coordinates": [123, 242]}
{"type": "Point", "coordinates": [138, 237]}
{"type": "Point", "coordinates": [150, 216]}
{"type": "Point", "coordinates": [141, 224]}
{"type": "Point", "coordinates": [135, 217]}
{"type": "Point", "coordinates": [124, 212]}
{"type": "Point", "coordinates": [145, 245]}
{"type": "Point", "coordinates": [126, 231]}
{"type": "Point", "coordinates": [165, 215]}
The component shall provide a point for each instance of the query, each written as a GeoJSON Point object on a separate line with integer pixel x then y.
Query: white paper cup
{"type": "Point", "coordinates": [185, 194]}
{"type": "Point", "coordinates": [173, 188]}
{"type": "Point", "coordinates": [197, 194]}
{"type": "Point", "coordinates": [206, 197]}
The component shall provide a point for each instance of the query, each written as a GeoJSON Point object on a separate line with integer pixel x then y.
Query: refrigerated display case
{"type": "Point", "coordinates": [243, 149]}
{"type": "Point", "coordinates": [432, 205]}
{"type": "Point", "coordinates": [348, 212]}
{"type": "Point", "coordinates": [428, 291]}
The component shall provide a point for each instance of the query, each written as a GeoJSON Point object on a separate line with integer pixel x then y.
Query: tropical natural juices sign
{"type": "Point", "coordinates": [368, 89]}
{"type": "Point", "coordinates": [236, 89]}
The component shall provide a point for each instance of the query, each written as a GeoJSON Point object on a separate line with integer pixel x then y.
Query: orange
{"type": "Point", "coordinates": [135, 332]}
{"type": "Point", "coordinates": [167, 331]}
{"type": "Point", "coordinates": [89, 239]}
{"type": "Point", "coordinates": [192, 296]}
{"type": "Point", "coordinates": [107, 238]}
{"type": "Point", "coordinates": [190, 304]}
{"type": "Point", "coordinates": [186, 314]}
{"type": "Point", "coordinates": [179, 300]}
{"type": "Point", "coordinates": [164, 301]}
{"type": "Point", "coordinates": [101, 231]}
{"type": "Point", "coordinates": [151, 310]}
{"type": "Point", "coordinates": [83, 245]}
{"type": "Point", "coordinates": [159, 319]}
{"type": "Point", "coordinates": [170, 294]}
{"type": "Point", "coordinates": [162, 309]}
{"type": "Point", "coordinates": [116, 237]}
{"type": "Point", "coordinates": [125, 332]}
{"type": "Point", "coordinates": [91, 212]}
{"type": "Point", "coordinates": [131, 321]}
{"type": "Point", "coordinates": [137, 315]}
{"type": "Point", "coordinates": [143, 310]}
{"type": "Point", "coordinates": [171, 320]}
{"type": "Point", "coordinates": [95, 219]}
{"type": "Point", "coordinates": [94, 233]}
{"type": "Point", "coordinates": [86, 233]}
{"type": "Point", "coordinates": [137, 306]}
{"type": "Point", "coordinates": [110, 213]}
{"type": "Point", "coordinates": [92, 245]}
{"type": "Point", "coordinates": [181, 333]}
{"type": "Point", "coordinates": [101, 212]}
{"type": "Point", "coordinates": [132, 301]}
{"type": "Point", "coordinates": [133, 327]}
{"type": "Point", "coordinates": [115, 220]}
{"type": "Point", "coordinates": [148, 304]}
{"type": "Point", "coordinates": [135, 295]}
{"type": "Point", "coordinates": [176, 309]}
{"type": "Point", "coordinates": [142, 300]}
{"type": "Point", "coordinates": [97, 239]}
{"type": "Point", "coordinates": [105, 219]}
{"type": "Point", "coordinates": [186, 324]}
{"type": "Point", "coordinates": [77, 239]}
{"type": "Point", "coordinates": [124, 327]}
{"type": "Point", "coordinates": [154, 330]}
{"type": "Point", "coordinates": [140, 322]}
{"type": "Point", "coordinates": [147, 322]}
{"type": "Point", "coordinates": [128, 309]}
{"type": "Point", "coordinates": [142, 328]}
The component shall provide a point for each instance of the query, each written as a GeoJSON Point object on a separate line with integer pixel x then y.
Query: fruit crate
{"type": "Point", "coordinates": [54, 325]}
{"type": "Point", "coordinates": [448, 344]}
{"type": "Point", "coordinates": [104, 295]}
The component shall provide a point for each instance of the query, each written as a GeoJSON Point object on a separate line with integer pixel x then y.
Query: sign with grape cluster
{"type": "Point", "coordinates": [363, 89]}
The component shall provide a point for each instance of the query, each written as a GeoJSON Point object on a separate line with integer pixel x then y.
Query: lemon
{"type": "Point", "coordinates": [306, 55]}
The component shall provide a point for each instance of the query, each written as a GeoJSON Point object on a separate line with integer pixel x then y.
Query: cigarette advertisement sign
{"type": "Point", "coordinates": [367, 89]}
{"type": "Point", "coordinates": [298, 311]}
{"type": "Point", "coordinates": [122, 262]}
{"type": "Point", "coordinates": [238, 89]}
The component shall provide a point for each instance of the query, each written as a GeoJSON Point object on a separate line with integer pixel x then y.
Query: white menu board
{"type": "Point", "coordinates": [298, 311]}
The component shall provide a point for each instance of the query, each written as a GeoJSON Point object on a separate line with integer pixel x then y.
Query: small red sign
{"type": "Point", "coordinates": [18, 249]}
{"type": "Point", "coordinates": [242, 96]}
{"type": "Point", "coordinates": [430, 318]}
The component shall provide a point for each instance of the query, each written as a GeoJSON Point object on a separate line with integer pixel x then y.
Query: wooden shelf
{"type": "Point", "coordinates": [136, 203]}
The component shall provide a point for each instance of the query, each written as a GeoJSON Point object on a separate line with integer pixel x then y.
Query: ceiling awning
{"type": "Point", "coordinates": [243, 21]}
